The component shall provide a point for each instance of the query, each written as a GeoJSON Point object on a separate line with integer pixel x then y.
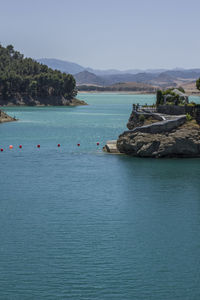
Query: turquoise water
{"type": "Point", "coordinates": [77, 223]}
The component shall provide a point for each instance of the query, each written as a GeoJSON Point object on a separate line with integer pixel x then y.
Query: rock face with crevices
{"type": "Point", "coordinates": [183, 141]}
{"type": "Point", "coordinates": [135, 120]}
{"type": "Point", "coordinates": [159, 127]}
{"type": "Point", "coordinates": [171, 137]}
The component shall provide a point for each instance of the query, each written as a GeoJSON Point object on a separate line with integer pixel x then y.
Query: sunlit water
{"type": "Point", "coordinates": [77, 223]}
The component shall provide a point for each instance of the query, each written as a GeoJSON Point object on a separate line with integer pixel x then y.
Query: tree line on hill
{"type": "Point", "coordinates": [119, 87]}
{"type": "Point", "coordinates": [30, 78]}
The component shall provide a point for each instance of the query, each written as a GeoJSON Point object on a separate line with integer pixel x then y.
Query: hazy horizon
{"type": "Point", "coordinates": [120, 35]}
{"type": "Point", "coordinates": [122, 70]}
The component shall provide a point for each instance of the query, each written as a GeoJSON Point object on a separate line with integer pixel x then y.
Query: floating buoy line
{"type": "Point", "coordinates": [11, 147]}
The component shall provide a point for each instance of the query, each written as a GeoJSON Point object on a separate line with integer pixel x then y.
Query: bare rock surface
{"type": "Point", "coordinates": [5, 118]}
{"type": "Point", "coordinates": [159, 127]}
{"type": "Point", "coordinates": [158, 135]}
{"type": "Point", "coordinates": [183, 141]}
{"type": "Point", "coordinates": [135, 118]}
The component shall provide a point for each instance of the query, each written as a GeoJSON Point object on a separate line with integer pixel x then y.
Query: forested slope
{"type": "Point", "coordinates": [25, 81]}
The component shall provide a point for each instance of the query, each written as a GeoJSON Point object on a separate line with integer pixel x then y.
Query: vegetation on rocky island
{"type": "Point", "coordinates": [171, 96]}
{"type": "Point", "coordinates": [198, 84]}
{"type": "Point", "coordinates": [24, 76]}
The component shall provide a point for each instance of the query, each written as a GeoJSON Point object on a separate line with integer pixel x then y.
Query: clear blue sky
{"type": "Point", "coordinates": [105, 34]}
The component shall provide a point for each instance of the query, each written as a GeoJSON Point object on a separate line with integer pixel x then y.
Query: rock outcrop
{"type": "Point", "coordinates": [5, 118]}
{"type": "Point", "coordinates": [181, 142]}
{"type": "Point", "coordinates": [135, 119]}
{"type": "Point", "coordinates": [159, 135]}
{"type": "Point", "coordinates": [159, 127]}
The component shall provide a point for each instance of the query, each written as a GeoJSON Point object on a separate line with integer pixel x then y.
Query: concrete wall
{"type": "Point", "coordinates": [176, 109]}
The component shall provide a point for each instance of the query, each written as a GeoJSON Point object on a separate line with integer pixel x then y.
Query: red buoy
{"type": "Point", "coordinates": [11, 147]}
{"type": "Point", "coordinates": [58, 145]}
{"type": "Point", "coordinates": [38, 146]}
{"type": "Point", "coordinates": [20, 146]}
{"type": "Point", "coordinates": [78, 145]}
{"type": "Point", "coordinates": [97, 143]}
{"type": "Point", "coordinates": [1, 149]}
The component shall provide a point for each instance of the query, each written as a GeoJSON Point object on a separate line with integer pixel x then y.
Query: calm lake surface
{"type": "Point", "coordinates": [77, 223]}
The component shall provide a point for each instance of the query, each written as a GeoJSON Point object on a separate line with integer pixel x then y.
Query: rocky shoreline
{"type": "Point", "coordinates": [181, 142]}
{"type": "Point", "coordinates": [26, 100]}
{"type": "Point", "coordinates": [173, 137]}
{"type": "Point", "coordinates": [5, 118]}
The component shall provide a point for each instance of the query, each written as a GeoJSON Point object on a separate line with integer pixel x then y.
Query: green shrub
{"type": "Point", "coordinates": [191, 104]}
{"type": "Point", "coordinates": [159, 98]}
{"type": "Point", "coordinates": [141, 118]}
{"type": "Point", "coordinates": [168, 92]}
{"type": "Point", "coordinates": [149, 106]}
{"type": "Point", "coordinates": [170, 96]}
{"type": "Point", "coordinates": [198, 84]}
{"type": "Point", "coordinates": [188, 117]}
{"type": "Point", "coordinates": [181, 89]}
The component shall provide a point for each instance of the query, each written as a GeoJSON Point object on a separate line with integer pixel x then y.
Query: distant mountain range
{"type": "Point", "coordinates": [74, 68]}
{"type": "Point", "coordinates": [165, 79]}
{"type": "Point", "coordinates": [86, 77]}
{"type": "Point", "coordinates": [63, 66]}
{"type": "Point", "coordinates": [154, 77]}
